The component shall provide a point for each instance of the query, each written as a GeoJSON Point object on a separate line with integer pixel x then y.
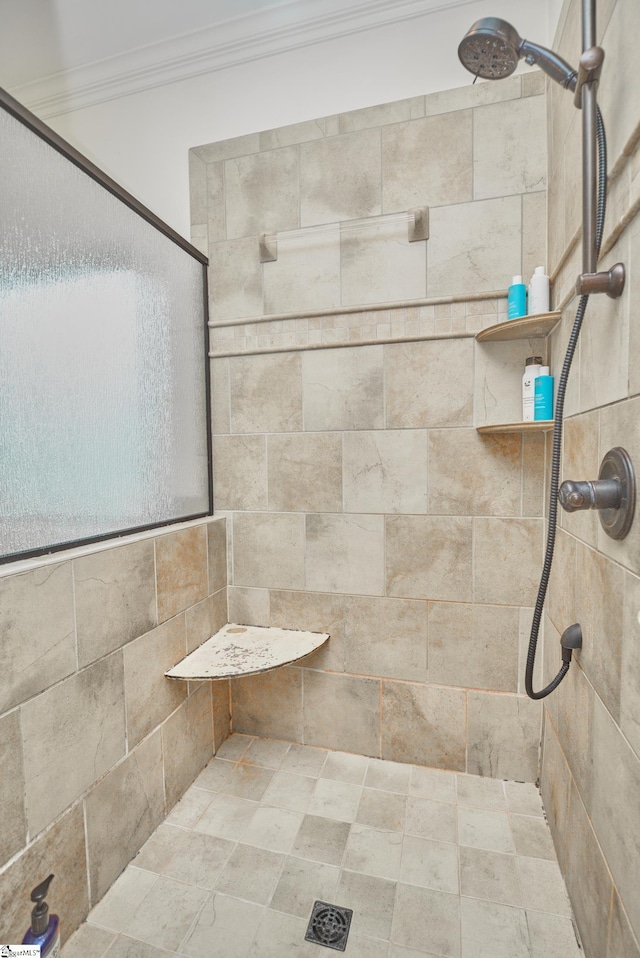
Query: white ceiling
{"type": "Point", "coordinates": [42, 37]}
{"type": "Point", "coordinates": [57, 56]}
{"type": "Point", "coordinates": [39, 38]}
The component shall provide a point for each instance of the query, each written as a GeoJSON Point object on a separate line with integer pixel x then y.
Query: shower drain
{"type": "Point", "coordinates": [329, 925]}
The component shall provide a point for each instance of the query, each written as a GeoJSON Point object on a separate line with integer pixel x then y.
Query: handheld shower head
{"type": "Point", "coordinates": [492, 47]}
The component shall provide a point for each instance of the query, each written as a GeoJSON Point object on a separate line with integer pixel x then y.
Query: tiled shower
{"type": "Point", "coordinates": [360, 499]}
{"type": "Point", "coordinates": [102, 745]}
{"type": "Point", "coordinates": [354, 495]}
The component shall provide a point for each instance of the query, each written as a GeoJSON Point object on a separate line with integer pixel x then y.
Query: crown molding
{"type": "Point", "coordinates": [279, 29]}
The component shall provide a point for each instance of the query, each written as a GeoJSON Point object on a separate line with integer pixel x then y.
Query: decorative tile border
{"type": "Point", "coordinates": [437, 320]}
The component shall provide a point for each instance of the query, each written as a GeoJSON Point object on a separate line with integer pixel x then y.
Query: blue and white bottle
{"type": "Point", "coordinates": [45, 928]}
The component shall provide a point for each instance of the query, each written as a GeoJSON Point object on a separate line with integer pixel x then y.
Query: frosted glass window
{"type": "Point", "coordinates": [103, 391]}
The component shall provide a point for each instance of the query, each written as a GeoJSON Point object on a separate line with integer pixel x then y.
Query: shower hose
{"type": "Point", "coordinates": [557, 437]}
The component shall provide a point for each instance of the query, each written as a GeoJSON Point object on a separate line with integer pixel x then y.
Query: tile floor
{"type": "Point", "coordinates": [434, 864]}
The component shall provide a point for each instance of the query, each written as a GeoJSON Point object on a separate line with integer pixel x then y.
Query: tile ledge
{"type": "Point", "coordinates": [64, 555]}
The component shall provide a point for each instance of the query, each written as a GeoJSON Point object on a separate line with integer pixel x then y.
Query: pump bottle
{"type": "Point", "coordinates": [516, 299]}
{"type": "Point", "coordinates": [543, 395]}
{"type": "Point", "coordinates": [45, 928]}
{"type": "Point", "coordinates": [539, 292]}
{"type": "Point", "coordinates": [531, 371]}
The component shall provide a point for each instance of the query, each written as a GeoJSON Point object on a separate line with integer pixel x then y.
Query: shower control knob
{"type": "Point", "coordinates": [613, 493]}
{"type": "Point", "coordinates": [599, 494]}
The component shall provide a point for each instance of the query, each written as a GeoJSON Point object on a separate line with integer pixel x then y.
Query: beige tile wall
{"type": "Point", "coordinates": [486, 204]}
{"type": "Point", "coordinates": [96, 745]}
{"type": "Point", "coordinates": [360, 498]}
{"type": "Point", "coordinates": [591, 756]}
{"type": "Point", "coordinates": [365, 537]}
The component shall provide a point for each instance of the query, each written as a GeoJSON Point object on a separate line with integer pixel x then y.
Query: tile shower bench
{"type": "Point", "coordinates": [245, 650]}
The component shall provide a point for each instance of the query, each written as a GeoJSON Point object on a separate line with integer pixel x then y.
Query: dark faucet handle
{"type": "Point", "coordinates": [596, 494]}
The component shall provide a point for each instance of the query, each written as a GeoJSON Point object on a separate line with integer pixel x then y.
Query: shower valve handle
{"type": "Point", "coordinates": [596, 494]}
{"type": "Point", "coordinates": [613, 493]}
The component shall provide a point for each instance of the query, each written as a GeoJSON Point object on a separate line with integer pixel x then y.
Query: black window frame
{"type": "Point", "coordinates": [37, 126]}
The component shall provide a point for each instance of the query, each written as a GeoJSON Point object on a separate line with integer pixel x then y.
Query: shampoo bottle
{"type": "Point", "coordinates": [543, 395]}
{"type": "Point", "coordinates": [516, 299]}
{"type": "Point", "coordinates": [539, 292]}
{"type": "Point", "coordinates": [45, 928]}
{"type": "Point", "coordinates": [531, 371]}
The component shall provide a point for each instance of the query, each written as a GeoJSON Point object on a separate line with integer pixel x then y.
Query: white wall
{"type": "Point", "coordinates": [555, 11]}
{"type": "Point", "coordinates": [142, 140]}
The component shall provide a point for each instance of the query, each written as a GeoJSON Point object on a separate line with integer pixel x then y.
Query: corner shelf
{"type": "Point", "coordinates": [539, 425]}
{"type": "Point", "coordinates": [526, 327]}
{"type": "Point", "coordinates": [245, 650]}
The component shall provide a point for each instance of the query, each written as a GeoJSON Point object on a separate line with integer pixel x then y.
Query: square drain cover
{"type": "Point", "coordinates": [329, 925]}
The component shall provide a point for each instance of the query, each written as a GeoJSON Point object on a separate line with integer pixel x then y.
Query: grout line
{"type": "Point", "coordinates": [298, 152]}
{"type": "Point", "coordinates": [523, 443]}
{"type": "Point", "coordinates": [155, 578]}
{"type": "Point", "coordinates": [86, 847]}
{"type": "Point", "coordinates": [522, 196]}
{"type": "Point", "coordinates": [75, 614]}
{"type": "Point", "coordinates": [206, 560]}
{"type": "Point", "coordinates": [302, 683]}
{"type": "Point", "coordinates": [610, 916]}
{"type": "Point", "coordinates": [380, 714]}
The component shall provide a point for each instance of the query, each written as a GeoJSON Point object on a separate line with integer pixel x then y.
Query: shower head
{"type": "Point", "coordinates": [492, 47]}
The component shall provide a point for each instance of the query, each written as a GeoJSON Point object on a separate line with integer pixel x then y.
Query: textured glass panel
{"type": "Point", "coordinates": [102, 368]}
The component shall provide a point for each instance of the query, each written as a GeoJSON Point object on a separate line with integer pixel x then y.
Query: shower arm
{"type": "Point", "coordinates": [549, 62]}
